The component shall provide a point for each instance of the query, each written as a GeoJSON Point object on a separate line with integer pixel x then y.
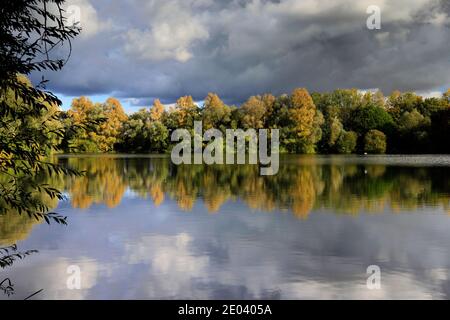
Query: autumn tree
{"type": "Point", "coordinates": [157, 111]}
{"type": "Point", "coordinates": [302, 112]}
{"type": "Point", "coordinates": [215, 113]}
{"type": "Point", "coordinates": [374, 98]}
{"type": "Point", "coordinates": [399, 102]}
{"type": "Point", "coordinates": [81, 109]}
{"type": "Point", "coordinates": [305, 121]}
{"type": "Point", "coordinates": [254, 113]}
{"type": "Point", "coordinates": [259, 112]}
{"type": "Point", "coordinates": [186, 112]}
{"type": "Point", "coordinates": [81, 132]}
{"type": "Point", "coordinates": [375, 142]}
{"type": "Point", "coordinates": [110, 128]}
{"type": "Point", "coordinates": [446, 95]}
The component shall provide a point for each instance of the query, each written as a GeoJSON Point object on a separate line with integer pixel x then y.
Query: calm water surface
{"type": "Point", "coordinates": [139, 227]}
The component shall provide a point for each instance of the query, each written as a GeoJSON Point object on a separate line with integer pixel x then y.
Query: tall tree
{"type": "Point", "coordinates": [141, 134]}
{"type": "Point", "coordinates": [186, 112]}
{"type": "Point", "coordinates": [215, 113]}
{"type": "Point", "coordinates": [371, 117]}
{"type": "Point", "coordinates": [83, 126]}
{"type": "Point", "coordinates": [157, 110]}
{"type": "Point", "coordinates": [254, 113]}
{"type": "Point", "coordinates": [398, 103]}
{"type": "Point", "coordinates": [110, 129]}
{"type": "Point", "coordinates": [305, 120]}
{"type": "Point", "coordinates": [375, 142]}
{"type": "Point", "coordinates": [346, 101]}
{"type": "Point", "coordinates": [347, 141]}
{"type": "Point", "coordinates": [446, 95]}
{"type": "Point", "coordinates": [332, 131]}
{"type": "Point", "coordinates": [374, 98]}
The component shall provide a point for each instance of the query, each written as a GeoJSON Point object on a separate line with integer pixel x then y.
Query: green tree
{"type": "Point", "coordinates": [332, 131]}
{"type": "Point", "coordinates": [141, 134]}
{"type": "Point", "coordinates": [371, 117]}
{"type": "Point", "coordinates": [159, 137]}
{"type": "Point", "coordinates": [413, 120]}
{"type": "Point", "coordinates": [279, 113]}
{"type": "Point", "coordinates": [134, 134]}
{"type": "Point", "coordinates": [347, 141]}
{"type": "Point", "coordinates": [375, 142]}
{"type": "Point", "coordinates": [431, 105]}
{"type": "Point", "coordinates": [399, 103]}
{"type": "Point", "coordinates": [26, 46]}
{"type": "Point", "coordinates": [345, 102]}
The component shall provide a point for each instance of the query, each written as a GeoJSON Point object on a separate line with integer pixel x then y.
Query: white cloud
{"type": "Point", "coordinates": [172, 261]}
{"type": "Point", "coordinates": [87, 17]}
{"type": "Point", "coordinates": [440, 19]}
{"type": "Point", "coordinates": [172, 29]}
{"type": "Point", "coordinates": [430, 94]}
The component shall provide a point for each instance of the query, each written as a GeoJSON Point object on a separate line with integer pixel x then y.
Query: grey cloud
{"type": "Point", "coordinates": [171, 48]}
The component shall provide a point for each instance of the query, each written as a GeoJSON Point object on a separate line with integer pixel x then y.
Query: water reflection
{"type": "Point", "coordinates": [140, 227]}
{"type": "Point", "coordinates": [302, 185]}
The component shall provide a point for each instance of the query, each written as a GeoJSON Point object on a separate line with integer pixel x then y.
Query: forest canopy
{"type": "Point", "coordinates": [344, 121]}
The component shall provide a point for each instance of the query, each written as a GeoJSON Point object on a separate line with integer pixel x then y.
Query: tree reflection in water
{"type": "Point", "coordinates": [301, 186]}
{"type": "Point", "coordinates": [304, 185]}
{"type": "Point", "coordinates": [15, 226]}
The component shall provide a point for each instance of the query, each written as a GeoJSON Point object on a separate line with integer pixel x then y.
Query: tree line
{"type": "Point", "coordinates": [343, 121]}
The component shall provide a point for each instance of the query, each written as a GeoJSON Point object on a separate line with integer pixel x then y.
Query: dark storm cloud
{"type": "Point", "coordinates": [168, 48]}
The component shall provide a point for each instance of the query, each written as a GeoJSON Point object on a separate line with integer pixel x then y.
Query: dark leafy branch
{"type": "Point", "coordinates": [8, 256]}
{"type": "Point", "coordinates": [30, 30]}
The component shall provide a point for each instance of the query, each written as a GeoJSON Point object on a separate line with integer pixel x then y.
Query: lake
{"type": "Point", "coordinates": [142, 228]}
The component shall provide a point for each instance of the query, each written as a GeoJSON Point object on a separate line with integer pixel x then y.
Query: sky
{"type": "Point", "coordinates": [139, 50]}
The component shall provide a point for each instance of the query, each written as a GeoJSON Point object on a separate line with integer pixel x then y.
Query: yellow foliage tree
{"type": "Point", "coordinates": [215, 112]}
{"type": "Point", "coordinates": [302, 112]}
{"type": "Point", "coordinates": [186, 111]}
{"type": "Point", "coordinates": [447, 95]}
{"type": "Point", "coordinates": [157, 111]}
{"type": "Point", "coordinates": [80, 109]}
{"type": "Point", "coordinates": [110, 129]}
{"type": "Point", "coordinates": [254, 113]}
